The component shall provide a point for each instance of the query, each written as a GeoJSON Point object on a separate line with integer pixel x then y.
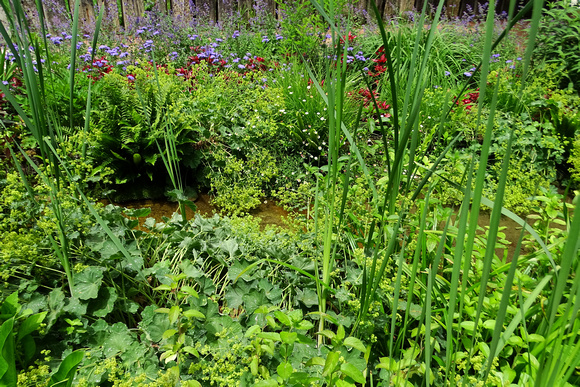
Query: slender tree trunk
{"type": "Point", "coordinates": [132, 9]}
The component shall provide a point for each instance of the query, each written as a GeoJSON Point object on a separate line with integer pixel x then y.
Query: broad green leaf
{"type": "Point", "coordinates": [284, 370]}
{"type": "Point", "coordinates": [283, 318]}
{"type": "Point", "coordinates": [192, 313]}
{"type": "Point", "coordinates": [252, 330]}
{"type": "Point", "coordinates": [330, 363]}
{"type": "Point", "coordinates": [174, 314]}
{"type": "Point", "coordinates": [352, 372]}
{"type": "Point", "coordinates": [267, 383]}
{"type": "Point", "coordinates": [169, 333]}
{"type": "Point", "coordinates": [355, 343]}
{"type": "Point", "coordinates": [105, 303]}
{"type": "Point", "coordinates": [30, 324]}
{"type": "Point", "coordinates": [10, 306]}
{"type": "Point", "coordinates": [65, 374]}
{"type": "Point", "coordinates": [288, 337]}
{"type": "Point", "coordinates": [274, 336]}
{"type": "Point", "coordinates": [7, 354]}
{"type": "Point", "coordinates": [88, 282]}
{"type": "Point", "coordinates": [343, 383]}
{"type": "Point", "coordinates": [327, 333]}
{"type": "Point", "coordinates": [189, 290]}
{"type": "Point", "coordinates": [163, 287]}
{"type": "Point", "coordinates": [316, 361]}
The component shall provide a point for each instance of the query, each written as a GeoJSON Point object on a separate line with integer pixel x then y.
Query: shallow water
{"type": "Point", "coordinates": [271, 214]}
{"type": "Point", "coordinates": [268, 211]}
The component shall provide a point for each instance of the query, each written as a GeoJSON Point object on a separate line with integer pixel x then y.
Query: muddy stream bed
{"type": "Point", "coordinates": [271, 213]}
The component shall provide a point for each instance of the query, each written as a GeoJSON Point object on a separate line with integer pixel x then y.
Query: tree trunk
{"type": "Point", "coordinates": [132, 9]}
{"type": "Point", "coordinates": [111, 15]}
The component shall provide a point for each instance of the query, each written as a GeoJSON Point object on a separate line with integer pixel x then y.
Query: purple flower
{"type": "Point", "coordinates": [509, 61]}
{"type": "Point", "coordinates": [512, 67]}
{"type": "Point", "coordinates": [467, 74]}
{"type": "Point", "coordinates": [235, 34]}
{"type": "Point", "coordinates": [241, 66]}
{"type": "Point", "coordinates": [279, 37]}
{"type": "Point", "coordinates": [5, 83]}
{"type": "Point", "coordinates": [495, 56]}
{"type": "Point", "coordinates": [265, 39]}
{"type": "Point", "coordinates": [218, 40]}
{"type": "Point", "coordinates": [104, 47]}
{"type": "Point", "coordinates": [447, 73]}
{"type": "Point", "coordinates": [130, 77]}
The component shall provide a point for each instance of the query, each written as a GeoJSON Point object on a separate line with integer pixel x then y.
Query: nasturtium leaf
{"type": "Point", "coordinates": [284, 370]}
{"type": "Point", "coordinates": [88, 282]}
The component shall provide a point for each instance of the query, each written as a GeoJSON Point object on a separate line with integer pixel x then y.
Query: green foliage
{"type": "Point", "coordinates": [559, 38]}
{"type": "Point", "coordinates": [131, 118]}
{"type": "Point", "coordinates": [575, 160]}
{"type": "Point", "coordinates": [238, 183]}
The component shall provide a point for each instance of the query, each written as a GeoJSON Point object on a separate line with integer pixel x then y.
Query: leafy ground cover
{"type": "Point", "coordinates": [384, 139]}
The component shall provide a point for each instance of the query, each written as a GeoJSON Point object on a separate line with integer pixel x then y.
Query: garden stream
{"type": "Point", "coordinates": [270, 213]}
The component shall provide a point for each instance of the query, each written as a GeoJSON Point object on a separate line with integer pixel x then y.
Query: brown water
{"type": "Point", "coordinates": [271, 214]}
{"type": "Point", "coordinates": [268, 211]}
